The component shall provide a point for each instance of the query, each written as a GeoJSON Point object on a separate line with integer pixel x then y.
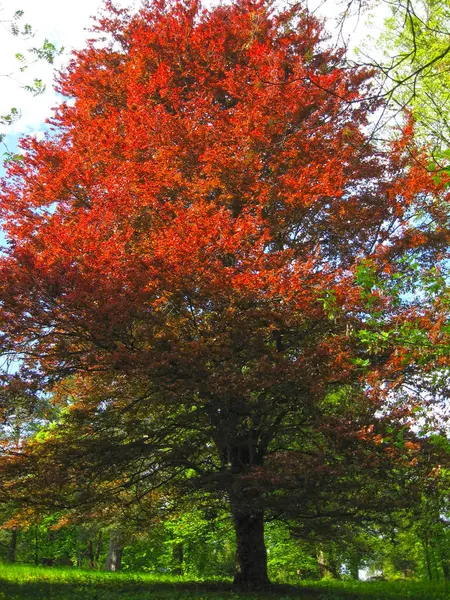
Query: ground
{"type": "Point", "coordinates": [30, 583]}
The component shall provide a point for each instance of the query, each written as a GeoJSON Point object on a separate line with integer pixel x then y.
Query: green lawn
{"type": "Point", "coordinates": [29, 583]}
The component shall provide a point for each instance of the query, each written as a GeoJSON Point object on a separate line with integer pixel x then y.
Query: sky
{"type": "Point", "coordinates": [65, 23]}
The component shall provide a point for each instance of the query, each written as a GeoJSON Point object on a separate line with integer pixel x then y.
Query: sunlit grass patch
{"type": "Point", "coordinates": [42, 583]}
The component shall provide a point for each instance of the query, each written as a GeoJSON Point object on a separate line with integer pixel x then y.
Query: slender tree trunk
{"type": "Point", "coordinates": [327, 563]}
{"type": "Point", "coordinates": [427, 559]}
{"type": "Point", "coordinates": [178, 558]}
{"type": "Point", "coordinates": [321, 563]}
{"type": "Point", "coordinates": [442, 551]}
{"type": "Point", "coordinates": [90, 553]}
{"type": "Point", "coordinates": [115, 551]}
{"type": "Point", "coordinates": [12, 546]}
{"type": "Point", "coordinates": [36, 545]}
{"type": "Point", "coordinates": [251, 554]}
{"type": "Point", "coordinates": [446, 568]}
{"type": "Point", "coordinates": [354, 567]}
{"type": "Point", "coordinates": [334, 566]}
{"type": "Point", "coordinates": [435, 561]}
{"type": "Point", "coordinates": [99, 546]}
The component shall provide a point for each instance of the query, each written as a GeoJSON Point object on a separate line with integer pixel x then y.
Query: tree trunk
{"type": "Point", "coordinates": [90, 553]}
{"type": "Point", "coordinates": [12, 546]}
{"type": "Point", "coordinates": [354, 569]}
{"type": "Point", "coordinates": [326, 564]}
{"type": "Point", "coordinates": [334, 566]}
{"type": "Point", "coordinates": [178, 558]}
{"type": "Point", "coordinates": [115, 551]}
{"type": "Point", "coordinates": [99, 546]}
{"type": "Point", "coordinates": [446, 569]}
{"type": "Point", "coordinates": [251, 554]}
{"type": "Point", "coordinates": [427, 558]}
{"type": "Point", "coordinates": [36, 545]}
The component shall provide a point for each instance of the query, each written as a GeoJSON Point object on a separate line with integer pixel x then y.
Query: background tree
{"type": "Point", "coordinates": [208, 267]}
{"type": "Point", "coordinates": [417, 43]}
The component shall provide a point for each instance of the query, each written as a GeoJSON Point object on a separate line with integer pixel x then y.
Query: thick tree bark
{"type": "Point", "coordinates": [251, 554]}
{"type": "Point", "coordinates": [115, 551]}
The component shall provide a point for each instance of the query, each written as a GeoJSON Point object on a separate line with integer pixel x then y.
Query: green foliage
{"type": "Point", "coordinates": [10, 117]}
{"type": "Point", "coordinates": [416, 41]}
{"type": "Point", "coordinates": [200, 547]}
{"type": "Point", "coordinates": [289, 560]}
{"type": "Point", "coordinates": [47, 52]}
{"type": "Point", "coordinates": [191, 544]}
{"type": "Point", "coordinates": [36, 88]}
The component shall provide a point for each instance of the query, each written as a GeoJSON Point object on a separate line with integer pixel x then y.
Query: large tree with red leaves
{"type": "Point", "coordinates": [207, 264]}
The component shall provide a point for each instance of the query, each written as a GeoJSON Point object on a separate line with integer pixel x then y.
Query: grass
{"type": "Point", "coordinates": [31, 583]}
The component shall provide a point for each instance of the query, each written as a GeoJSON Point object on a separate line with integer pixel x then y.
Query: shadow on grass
{"type": "Point", "coordinates": [139, 590]}
{"type": "Point", "coordinates": [111, 590]}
